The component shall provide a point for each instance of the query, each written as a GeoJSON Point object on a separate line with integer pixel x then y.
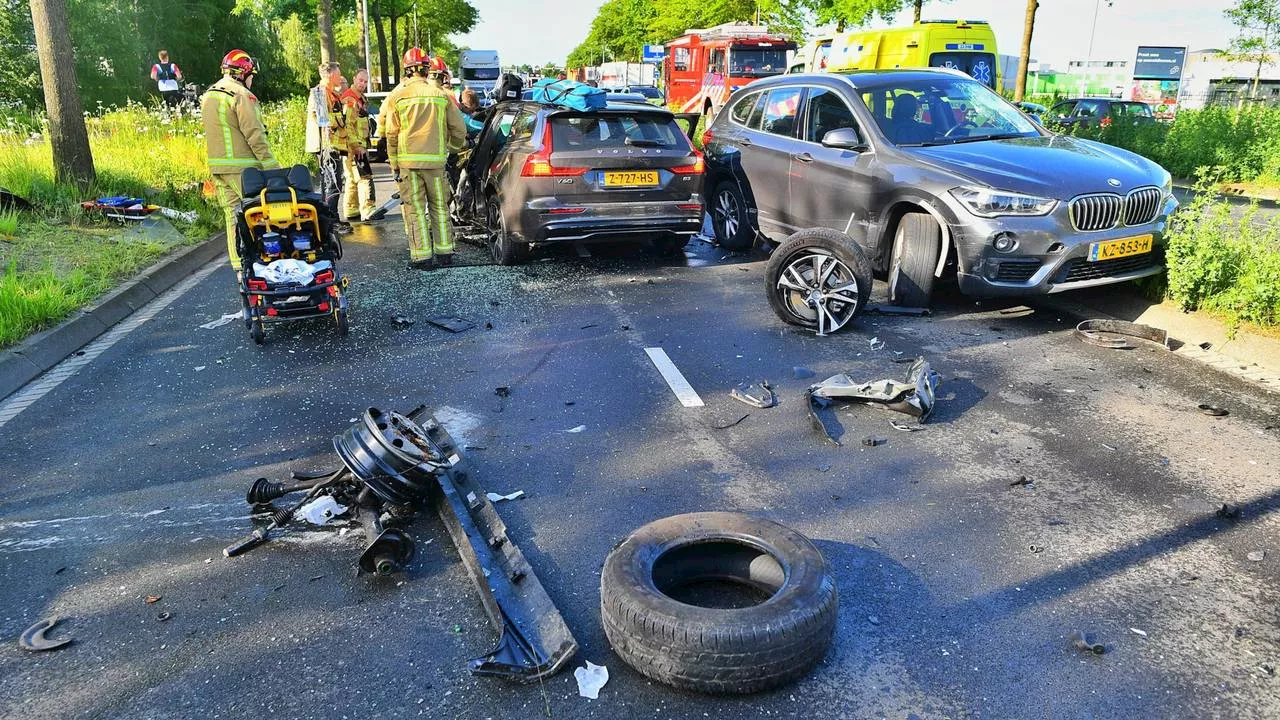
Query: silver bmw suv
{"type": "Point", "coordinates": [931, 172]}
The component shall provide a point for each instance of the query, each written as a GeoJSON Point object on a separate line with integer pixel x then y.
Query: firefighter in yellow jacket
{"type": "Point", "coordinates": [355, 116]}
{"type": "Point", "coordinates": [234, 136]}
{"type": "Point", "coordinates": [424, 126]}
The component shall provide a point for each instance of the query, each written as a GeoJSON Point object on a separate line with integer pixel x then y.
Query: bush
{"type": "Point", "coordinates": [1236, 145]}
{"type": "Point", "coordinates": [1224, 261]}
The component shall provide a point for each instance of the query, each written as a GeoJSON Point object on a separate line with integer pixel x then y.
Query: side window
{"type": "Point", "coordinates": [780, 110]}
{"type": "Point", "coordinates": [1062, 109]}
{"type": "Point", "coordinates": [742, 110]}
{"type": "Point", "coordinates": [757, 110]}
{"type": "Point", "coordinates": [504, 124]}
{"type": "Point", "coordinates": [1087, 109]}
{"type": "Point", "coordinates": [825, 111]}
{"type": "Point", "coordinates": [716, 63]}
{"type": "Point", "coordinates": [681, 59]}
{"type": "Point", "coordinates": [523, 126]}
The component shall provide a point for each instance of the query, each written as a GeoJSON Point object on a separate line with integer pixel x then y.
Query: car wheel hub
{"type": "Point", "coordinates": [727, 213]}
{"type": "Point", "coordinates": [819, 288]}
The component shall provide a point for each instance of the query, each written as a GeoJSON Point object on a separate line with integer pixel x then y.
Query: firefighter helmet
{"type": "Point", "coordinates": [414, 58]}
{"type": "Point", "coordinates": [238, 64]}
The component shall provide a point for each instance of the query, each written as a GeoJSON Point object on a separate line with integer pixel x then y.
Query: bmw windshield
{"type": "Point", "coordinates": [942, 110]}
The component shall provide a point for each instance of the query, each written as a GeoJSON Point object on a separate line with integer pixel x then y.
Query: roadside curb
{"type": "Point", "coordinates": [1267, 378]}
{"type": "Point", "coordinates": [30, 358]}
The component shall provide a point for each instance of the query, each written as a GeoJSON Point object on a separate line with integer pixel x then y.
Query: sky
{"type": "Point", "coordinates": [538, 31]}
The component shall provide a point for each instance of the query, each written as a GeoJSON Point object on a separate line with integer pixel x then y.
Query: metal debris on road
{"type": "Point", "coordinates": [495, 497]}
{"type": "Point", "coordinates": [905, 427]}
{"type": "Point", "coordinates": [502, 392]}
{"type": "Point", "coordinates": [451, 323]}
{"type": "Point", "coordinates": [222, 321]}
{"type": "Point", "coordinates": [401, 321]}
{"type": "Point", "coordinates": [1213, 410]}
{"type": "Point", "coordinates": [321, 510]}
{"type": "Point", "coordinates": [870, 441]}
{"type": "Point", "coordinates": [1136, 631]}
{"type": "Point", "coordinates": [1080, 642]}
{"type": "Point", "coordinates": [731, 423]}
{"type": "Point", "coordinates": [760, 395]}
{"type": "Point", "coordinates": [164, 616]}
{"type": "Point", "coordinates": [1257, 555]}
{"type": "Point", "coordinates": [392, 469]}
{"type": "Point", "coordinates": [33, 638]}
{"type": "Point", "coordinates": [590, 679]}
{"type": "Point", "coordinates": [916, 396]}
{"type": "Point", "coordinates": [1035, 549]}
{"type": "Point", "coordinates": [876, 344]}
{"type": "Point", "coordinates": [1228, 511]}
{"type": "Point", "coordinates": [1022, 481]}
{"type": "Point", "coordinates": [151, 599]}
{"type": "Point", "coordinates": [577, 429]}
{"type": "Point", "coordinates": [1102, 333]}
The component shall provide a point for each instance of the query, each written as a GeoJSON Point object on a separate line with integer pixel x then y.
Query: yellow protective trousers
{"type": "Point", "coordinates": [228, 187]}
{"type": "Point", "coordinates": [427, 210]}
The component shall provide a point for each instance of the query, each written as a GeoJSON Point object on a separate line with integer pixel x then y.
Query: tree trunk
{"type": "Point", "coordinates": [72, 158]}
{"type": "Point", "coordinates": [324, 25]}
{"type": "Point", "coordinates": [383, 73]}
{"type": "Point", "coordinates": [916, 11]}
{"type": "Point", "coordinates": [362, 29]}
{"type": "Point", "coordinates": [1257, 77]}
{"type": "Point", "coordinates": [395, 47]}
{"type": "Point", "coordinates": [1028, 27]}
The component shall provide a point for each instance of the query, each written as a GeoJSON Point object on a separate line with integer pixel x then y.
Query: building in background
{"type": "Point", "coordinates": [1210, 79]}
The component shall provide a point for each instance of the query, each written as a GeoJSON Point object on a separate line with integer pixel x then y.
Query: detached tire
{"type": "Point", "coordinates": [728, 643]}
{"type": "Point", "coordinates": [824, 261]}
{"type": "Point", "coordinates": [916, 245]}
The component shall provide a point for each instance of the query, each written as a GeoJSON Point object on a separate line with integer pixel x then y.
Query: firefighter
{"type": "Point", "coordinates": [423, 128]}
{"type": "Point", "coordinates": [412, 58]}
{"type": "Point", "coordinates": [234, 136]}
{"type": "Point", "coordinates": [359, 176]}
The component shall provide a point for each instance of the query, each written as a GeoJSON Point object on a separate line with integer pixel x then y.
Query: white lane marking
{"type": "Point", "coordinates": [43, 385]}
{"type": "Point", "coordinates": [675, 380]}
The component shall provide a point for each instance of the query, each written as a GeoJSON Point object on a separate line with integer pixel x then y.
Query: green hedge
{"type": "Point", "coordinates": [1235, 145]}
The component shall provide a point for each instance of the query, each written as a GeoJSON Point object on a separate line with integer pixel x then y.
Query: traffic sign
{"type": "Point", "coordinates": [653, 53]}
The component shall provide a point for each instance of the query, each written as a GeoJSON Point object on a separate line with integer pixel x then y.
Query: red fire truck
{"type": "Point", "coordinates": [702, 67]}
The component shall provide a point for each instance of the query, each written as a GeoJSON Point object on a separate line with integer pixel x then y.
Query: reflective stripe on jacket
{"type": "Point", "coordinates": [234, 136]}
{"type": "Point", "coordinates": [423, 127]}
{"type": "Point", "coordinates": [355, 115]}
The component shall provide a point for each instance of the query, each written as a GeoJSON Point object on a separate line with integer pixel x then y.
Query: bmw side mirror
{"type": "Point", "coordinates": [844, 139]}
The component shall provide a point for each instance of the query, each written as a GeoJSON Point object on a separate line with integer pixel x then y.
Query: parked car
{"type": "Point", "coordinates": [1089, 112]}
{"type": "Point", "coordinates": [652, 95]}
{"type": "Point", "coordinates": [921, 172]}
{"type": "Point", "coordinates": [542, 174]}
{"type": "Point", "coordinates": [378, 151]}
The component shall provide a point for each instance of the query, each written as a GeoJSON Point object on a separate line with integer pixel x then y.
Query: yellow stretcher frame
{"type": "Point", "coordinates": [282, 215]}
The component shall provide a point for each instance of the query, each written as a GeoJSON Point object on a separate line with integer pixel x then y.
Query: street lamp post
{"type": "Point", "coordinates": [1093, 29]}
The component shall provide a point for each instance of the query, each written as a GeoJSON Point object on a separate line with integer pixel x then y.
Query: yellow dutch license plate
{"type": "Point", "coordinates": [1124, 247]}
{"type": "Point", "coordinates": [645, 178]}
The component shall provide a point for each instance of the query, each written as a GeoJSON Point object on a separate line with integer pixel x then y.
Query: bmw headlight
{"type": "Point", "coordinates": [985, 202]}
{"type": "Point", "coordinates": [1167, 185]}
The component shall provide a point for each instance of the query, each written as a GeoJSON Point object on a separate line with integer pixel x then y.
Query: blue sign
{"type": "Point", "coordinates": [1159, 63]}
{"type": "Point", "coordinates": [653, 54]}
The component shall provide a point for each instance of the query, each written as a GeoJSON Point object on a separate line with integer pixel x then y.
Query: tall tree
{"type": "Point", "coordinates": [324, 25]}
{"type": "Point", "coordinates": [915, 10]}
{"type": "Point", "coordinates": [72, 158]}
{"type": "Point", "coordinates": [1028, 27]}
{"type": "Point", "coordinates": [846, 13]}
{"type": "Point", "coordinates": [1258, 38]}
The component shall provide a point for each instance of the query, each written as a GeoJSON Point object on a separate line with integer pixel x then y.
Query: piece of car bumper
{"type": "Point", "coordinates": [547, 220]}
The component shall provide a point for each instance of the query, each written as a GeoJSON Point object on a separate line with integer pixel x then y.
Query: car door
{"type": "Point", "coordinates": [767, 144]}
{"type": "Point", "coordinates": [831, 187]}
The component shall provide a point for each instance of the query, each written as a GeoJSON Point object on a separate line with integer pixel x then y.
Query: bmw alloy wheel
{"type": "Point", "coordinates": [817, 287]}
{"type": "Point", "coordinates": [728, 213]}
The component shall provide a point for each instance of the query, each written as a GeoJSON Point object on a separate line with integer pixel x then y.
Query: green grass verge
{"type": "Point", "coordinates": [56, 258]}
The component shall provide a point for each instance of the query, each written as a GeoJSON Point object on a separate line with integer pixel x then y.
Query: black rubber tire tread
{"type": "Point", "coordinates": [258, 332]}
{"type": "Point", "coordinates": [746, 235]}
{"type": "Point", "coordinates": [841, 246]}
{"type": "Point", "coordinates": [507, 251]}
{"type": "Point", "coordinates": [340, 317]}
{"type": "Point", "coordinates": [718, 651]}
{"type": "Point", "coordinates": [921, 241]}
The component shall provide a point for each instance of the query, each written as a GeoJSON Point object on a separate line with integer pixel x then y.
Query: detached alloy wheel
{"type": "Point", "coordinates": [502, 248]}
{"type": "Point", "coordinates": [818, 279]}
{"type": "Point", "coordinates": [729, 218]}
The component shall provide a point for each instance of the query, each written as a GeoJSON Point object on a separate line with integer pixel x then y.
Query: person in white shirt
{"type": "Point", "coordinates": [167, 77]}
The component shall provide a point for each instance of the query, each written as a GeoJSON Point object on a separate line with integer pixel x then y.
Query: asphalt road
{"type": "Point", "coordinates": [127, 480]}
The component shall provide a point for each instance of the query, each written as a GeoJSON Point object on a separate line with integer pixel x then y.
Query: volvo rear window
{"type": "Point", "coordinates": [590, 132]}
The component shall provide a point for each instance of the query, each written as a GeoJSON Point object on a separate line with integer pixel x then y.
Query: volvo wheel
{"type": "Point", "coordinates": [502, 247]}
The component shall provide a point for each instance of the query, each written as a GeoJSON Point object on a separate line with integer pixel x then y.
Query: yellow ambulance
{"type": "Point", "coordinates": [968, 46]}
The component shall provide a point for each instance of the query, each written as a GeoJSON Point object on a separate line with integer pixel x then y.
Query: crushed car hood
{"type": "Point", "coordinates": [1056, 166]}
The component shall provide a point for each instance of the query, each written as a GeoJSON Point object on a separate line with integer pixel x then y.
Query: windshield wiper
{"type": "Point", "coordinates": [996, 136]}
